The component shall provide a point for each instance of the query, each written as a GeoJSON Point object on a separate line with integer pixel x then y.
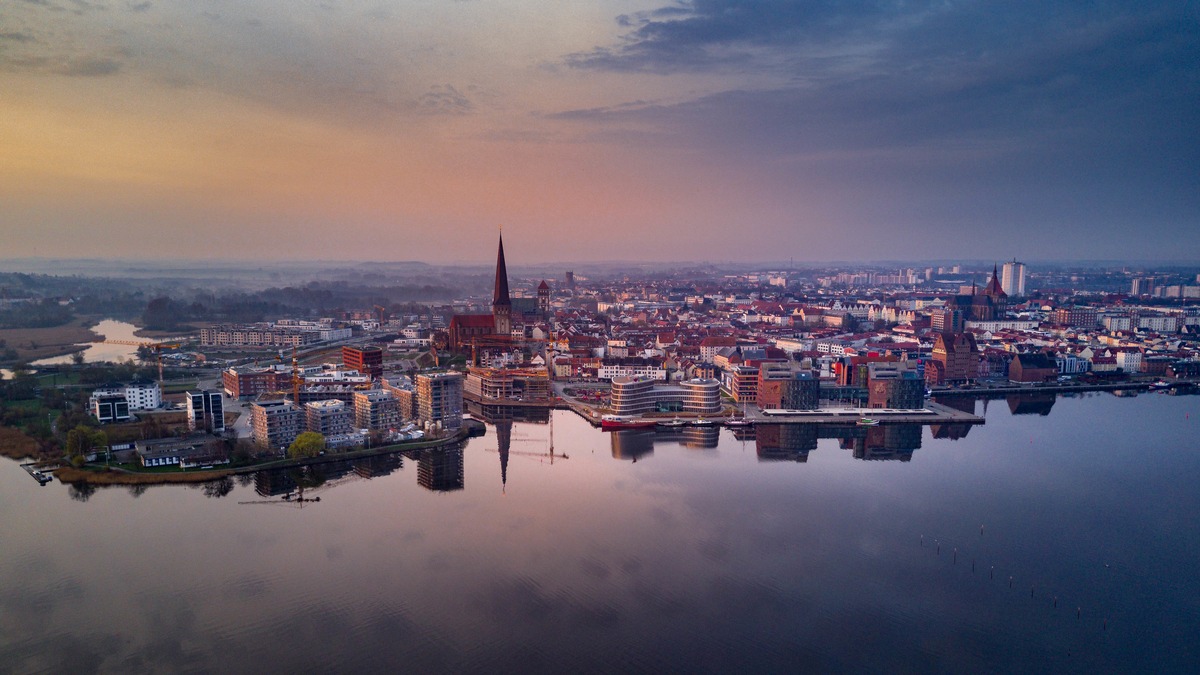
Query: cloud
{"type": "Point", "coordinates": [140, 6]}
{"type": "Point", "coordinates": [15, 36]}
{"type": "Point", "coordinates": [445, 100]}
{"type": "Point", "coordinates": [96, 67]}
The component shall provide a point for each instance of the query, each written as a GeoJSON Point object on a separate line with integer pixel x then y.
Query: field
{"type": "Point", "coordinates": [16, 445]}
{"type": "Point", "coordinates": [39, 343]}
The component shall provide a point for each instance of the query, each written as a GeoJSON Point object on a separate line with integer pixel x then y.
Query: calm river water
{"type": "Point", "coordinates": [1061, 536]}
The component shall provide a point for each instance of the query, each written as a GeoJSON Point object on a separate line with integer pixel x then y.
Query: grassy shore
{"type": "Point", "coordinates": [14, 444]}
{"type": "Point", "coordinates": [98, 475]}
{"type": "Point", "coordinates": [40, 343]}
{"type": "Point", "coordinates": [69, 474]}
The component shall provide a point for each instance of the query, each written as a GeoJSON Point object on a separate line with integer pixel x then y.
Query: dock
{"type": "Point", "coordinates": [37, 474]}
{"type": "Point", "coordinates": [930, 413]}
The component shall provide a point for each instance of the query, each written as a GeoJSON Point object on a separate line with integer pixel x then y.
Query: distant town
{"type": "Point", "coordinates": [668, 349]}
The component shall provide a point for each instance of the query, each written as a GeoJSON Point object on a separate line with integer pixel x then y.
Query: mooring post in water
{"type": "Point", "coordinates": [1010, 582]}
{"type": "Point", "coordinates": [981, 530]}
{"type": "Point", "coordinates": [992, 572]}
{"type": "Point", "coordinates": [1056, 601]}
{"type": "Point", "coordinates": [1078, 612]}
{"type": "Point", "coordinates": [955, 555]}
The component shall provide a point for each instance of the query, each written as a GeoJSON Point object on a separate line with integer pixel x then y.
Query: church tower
{"type": "Point", "coordinates": [501, 304]}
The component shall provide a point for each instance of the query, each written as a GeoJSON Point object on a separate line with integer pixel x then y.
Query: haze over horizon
{"type": "Point", "coordinates": [711, 130]}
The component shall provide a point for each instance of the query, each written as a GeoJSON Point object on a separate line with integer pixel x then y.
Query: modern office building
{"type": "Point", "coordinates": [205, 411]}
{"type": "Point", "coordinates": [109, 409]}
{"type": "Point", "coordinates": [641, 395]}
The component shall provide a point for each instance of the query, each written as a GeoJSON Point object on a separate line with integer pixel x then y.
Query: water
{"type": "Point", "coordinates": [691, 558]}
{"type": "Point", "coordinates": [110, 329]}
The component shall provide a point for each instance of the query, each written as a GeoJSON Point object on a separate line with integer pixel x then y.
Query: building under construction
{"type": "Point", "coordinates": [525, 385]}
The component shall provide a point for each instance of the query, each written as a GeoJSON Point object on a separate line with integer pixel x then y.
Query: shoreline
{"type": "Point", "coordinates": [108, 476]}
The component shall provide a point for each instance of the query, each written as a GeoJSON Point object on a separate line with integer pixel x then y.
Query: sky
{"type": "Point", "coordinates": [619, 130]}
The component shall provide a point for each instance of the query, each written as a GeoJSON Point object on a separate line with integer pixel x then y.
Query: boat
{"type": "Point", "coordinates": [868, 422]}
{"type": "Point", "coordinates": [701, 422]}
{"type": "Point", "coordinates": [613, 422]}
{"type": "Point", "coordinates": [738, 420]}
{"type": "Point", "coordinates": [671, 423]}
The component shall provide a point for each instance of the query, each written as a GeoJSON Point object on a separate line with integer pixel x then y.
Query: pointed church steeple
{"type": "Point", "coordinates": [501, 304]}
{"type": "Point", "coordinates": [500, 294]}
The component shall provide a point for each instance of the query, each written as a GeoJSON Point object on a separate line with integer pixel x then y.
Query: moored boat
{"type": "Point", "coordinates": [671, 423]}
{"type": "Point", "coordinates": [868, 422]}
{"type": "Point", "coordinates": [611, 422]}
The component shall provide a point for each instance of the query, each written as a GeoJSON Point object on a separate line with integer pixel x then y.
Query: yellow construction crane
{"type": "Point", "coordinates": [156, 346]}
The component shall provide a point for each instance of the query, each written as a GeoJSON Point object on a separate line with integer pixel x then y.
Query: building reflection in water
{"type": "Point", "coordinates": [955, 430]}
{"type": "Point", "coordinates": [440, 469]}
{"type": "Point", "coordinates": [502, 418]}
{"type": "Point", "coordinates": [785, 442]}
{"type": "Point", "coordinates": [1031, 404]}
{"type": "Point", "coordinates": [378, 465]}
{"type": "Point", "coordinates": [633, 444]}
{"type": "Point", "coordinates": [886, 441]}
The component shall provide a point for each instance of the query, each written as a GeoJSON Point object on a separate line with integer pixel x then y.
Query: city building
{"type": "Point", "coordinates": [329, 418]}
{"type": "Point", "coordinates": [638, 395]}
{"type": "Point", "coordinates": [956, 356]}
{"type": "Point", "coordinates": [947, 320]}
{"type": "Point", "coordinates": [246, 382]}
{"type": "Point", "coordinates": [141, 395]}
{"type": "Point", "coordinates": [894, 386]}
{"type": "Point", "coordinates": [440, 400]}
{"type": "Point", "coordinates": [275, 424]}
{"type": "Point", "coordinates": [1033, 367]}
{"type": "Point", "coordinates": [529, 385]}
{"type": "Point", "coordinates": [376, 410]}
{"type": "Point", "coordinates": [366, 360]}
{"type": "Point", "coordinates": [108, 409]}
{"type": "Point", "coordinates": [782, 388]}
{"type": "Point", "coordinates": [741, 383]}
{"type": "Point", "coordinates": [1013, 278]}
{"type": "Point", "coordinates": [1078, 316]}
{"type": "Point", "coordinates": [205, 411]}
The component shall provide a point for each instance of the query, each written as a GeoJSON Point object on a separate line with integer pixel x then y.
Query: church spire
{"type": "Point", "coordinates": [500, 294]}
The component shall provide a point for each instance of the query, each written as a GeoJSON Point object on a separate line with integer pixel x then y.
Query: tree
{"type": "Point", "coordinates": [83, 439]}
{"type": "Point", "coordinates": [307, 444]}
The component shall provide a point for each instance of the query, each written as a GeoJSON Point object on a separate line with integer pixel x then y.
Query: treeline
{"type": "Point", "coordinates": [312, 300]}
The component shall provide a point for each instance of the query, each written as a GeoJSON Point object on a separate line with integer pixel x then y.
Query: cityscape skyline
{"type": "Point", "coordinates": [638, 131]}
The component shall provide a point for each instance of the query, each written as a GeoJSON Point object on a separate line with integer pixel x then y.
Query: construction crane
{"type": "Point", "coordinates": [156, 346]}
{"type": "Point", "coordinates": [297, 380]}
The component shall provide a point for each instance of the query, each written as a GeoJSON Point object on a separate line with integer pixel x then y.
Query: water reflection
{"type": "Point", "coordinates": [1031, 404]}
{"type": "Point", "coordinates": [696, 560]}
{"type": "Point", "coordinates": [953, 431]}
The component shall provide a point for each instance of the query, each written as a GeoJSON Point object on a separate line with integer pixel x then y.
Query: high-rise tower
{"type": "Point", "coordinates": [501, 303]}
{"type": "Point", "coordinates": [1013, 278]}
